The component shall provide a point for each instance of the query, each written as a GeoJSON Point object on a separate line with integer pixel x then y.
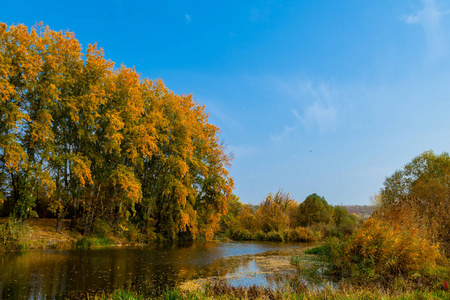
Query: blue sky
{"type": "Point", "coordinates": [326, 97]}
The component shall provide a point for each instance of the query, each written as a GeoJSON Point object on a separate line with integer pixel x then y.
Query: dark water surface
{"type": "Point", "coordinates": [73, 274]}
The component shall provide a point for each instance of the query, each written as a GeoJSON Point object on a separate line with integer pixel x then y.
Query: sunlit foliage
{"type": "Point", "coordinates": [378, 252]}
{"type": "Point", "coordinates": [279, 217]}
{"type": "Point", "coordinates": [276, 212]}
{"type": "Point", "coordinates": [81, 138]}
{"type": "Point", "coordinates": [418, 196]}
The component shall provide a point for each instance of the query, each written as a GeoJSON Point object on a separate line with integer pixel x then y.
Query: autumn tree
{"type": "Point", "coordinates": [27, 94]}
{"type": "Point", "coordinates": [275, 213]}
{"type": "Point", "coordinates": [234, 208]}
{"type": "Point", "coordinates": [82, 138]}
{"type": "Point", "coordinates": [419, 196]}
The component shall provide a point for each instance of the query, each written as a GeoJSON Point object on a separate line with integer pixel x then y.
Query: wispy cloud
{"type": "Point", "coordinates": [313, 105]}
{"type": "Point", "coordinates": [324, 117]}
{"type": "Point", "coordinates": [430, 18]}
{"type": "Point", "coordinates": [277, 138]}
{"type": "Point", "coordinates": [188, 18]}
{"type": "Point", "coordinates": [321, 112]}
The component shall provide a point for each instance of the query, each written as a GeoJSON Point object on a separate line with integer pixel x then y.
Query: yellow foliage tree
{"type": "Point", "coordinates": [82, 138]}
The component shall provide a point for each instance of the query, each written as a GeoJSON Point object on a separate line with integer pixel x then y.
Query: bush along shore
{"type": "Point", "coordinates": [376, 262]}
{"type": "Point", "coordinates": [278, 218]}
{"type": "Point", "coordinates": [401, 252]}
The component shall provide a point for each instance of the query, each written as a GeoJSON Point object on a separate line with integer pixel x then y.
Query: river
{"type": "Point", "coordinates": [74, 274]}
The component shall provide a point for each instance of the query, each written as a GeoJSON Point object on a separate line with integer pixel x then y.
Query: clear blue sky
{"type": "Point", "coordinates": [326, 97]}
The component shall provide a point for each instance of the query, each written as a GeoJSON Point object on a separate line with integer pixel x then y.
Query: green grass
{"type": "Point", "coordinates": [89, 242]}
{"type": "Point", "coordinates": [319, 250]}
{"type": "Point", "coordinates": [224, 291]}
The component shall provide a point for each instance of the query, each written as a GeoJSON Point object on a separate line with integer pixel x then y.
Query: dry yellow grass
{"type": "Point", "coordinates": [42, 234]}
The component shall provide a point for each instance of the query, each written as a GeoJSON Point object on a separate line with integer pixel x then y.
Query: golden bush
{"type": "Point", "coordinates": [379, 251]}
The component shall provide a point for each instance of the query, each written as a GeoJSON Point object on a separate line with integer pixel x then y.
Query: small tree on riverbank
{"type": "Point", "coordinates": [314, 210]}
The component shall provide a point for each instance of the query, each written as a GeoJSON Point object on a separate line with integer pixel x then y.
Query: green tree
{"type": "Point", "coordinates": [314, 210]}
{"type": "Point", "coordinates": [345, 223]}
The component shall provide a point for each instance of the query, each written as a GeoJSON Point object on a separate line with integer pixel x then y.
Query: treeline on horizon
{"type": "Point", "coordinates": [85, 140]}
{"type": "Point", "coordinates": [280, 218]}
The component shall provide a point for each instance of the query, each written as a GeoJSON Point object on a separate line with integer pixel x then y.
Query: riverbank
{"type": "Point", "coordinates": [42, 234]}
{"type": "Point", "coordinates": [224, 291]}
{"type": "Point", "coordinates": [36, 234]}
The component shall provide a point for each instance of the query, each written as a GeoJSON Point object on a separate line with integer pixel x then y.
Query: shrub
{"type": "Point", "coordinates": [133, 235]}
{"type": "Point", "coordinates": [260, 236]}
{"type": "Point", "coordinates": [378, 252]}
{"type": "Point", "coordinates": [101, 228]}
{"type": "Point", "coordinates": [88, 242]}
{"type": "Point", "coordinates": [241, 235]}
{"type": "Point", "coordinates": [274, 236]}
{"type": "Point", "coordinates": [319, 250]}
{"type": "Point", "coordinates": [12, 235]}
{"type": "Point", "coordinates": [299, 234]}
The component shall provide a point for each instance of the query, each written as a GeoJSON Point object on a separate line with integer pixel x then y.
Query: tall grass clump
{"type": "Point", "coordinates": [12, 236]}
{"type": "Point", "coordinates": [299, 234]}
{"type": "Point", "coordinates": [119, 295]}
{"type": "Point", "coordinates": [378, 252]}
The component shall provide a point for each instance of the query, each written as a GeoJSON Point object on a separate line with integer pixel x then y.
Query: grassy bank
{"type": "Point", "coordinates": [35, 234]}
{"type": "Point", "coordinates": [224, 291]}
{"type": "Point", "coordinates": [377, 261]}
{"type": "Point", "coordinates": [41, 234]}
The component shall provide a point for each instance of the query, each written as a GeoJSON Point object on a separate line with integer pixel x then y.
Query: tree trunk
{"type": "Point", "coordinates": [58, 224]}
{"type": "Point", "coordinates": [87, 226]}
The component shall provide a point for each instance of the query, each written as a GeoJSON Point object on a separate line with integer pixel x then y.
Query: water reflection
{"type": "Point", "coordinates": [53, 274]}
{"type": "Point", "coordinates": [271, 269]}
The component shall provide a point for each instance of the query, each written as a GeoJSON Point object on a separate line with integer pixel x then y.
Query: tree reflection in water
{"type": "Point", "coordinates": [271, 269]}
{"type": "Point", "coordinates": [55, 274]}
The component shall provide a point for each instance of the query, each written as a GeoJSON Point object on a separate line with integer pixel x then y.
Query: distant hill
{"type": "Point", "coordinates": [364, 211]}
